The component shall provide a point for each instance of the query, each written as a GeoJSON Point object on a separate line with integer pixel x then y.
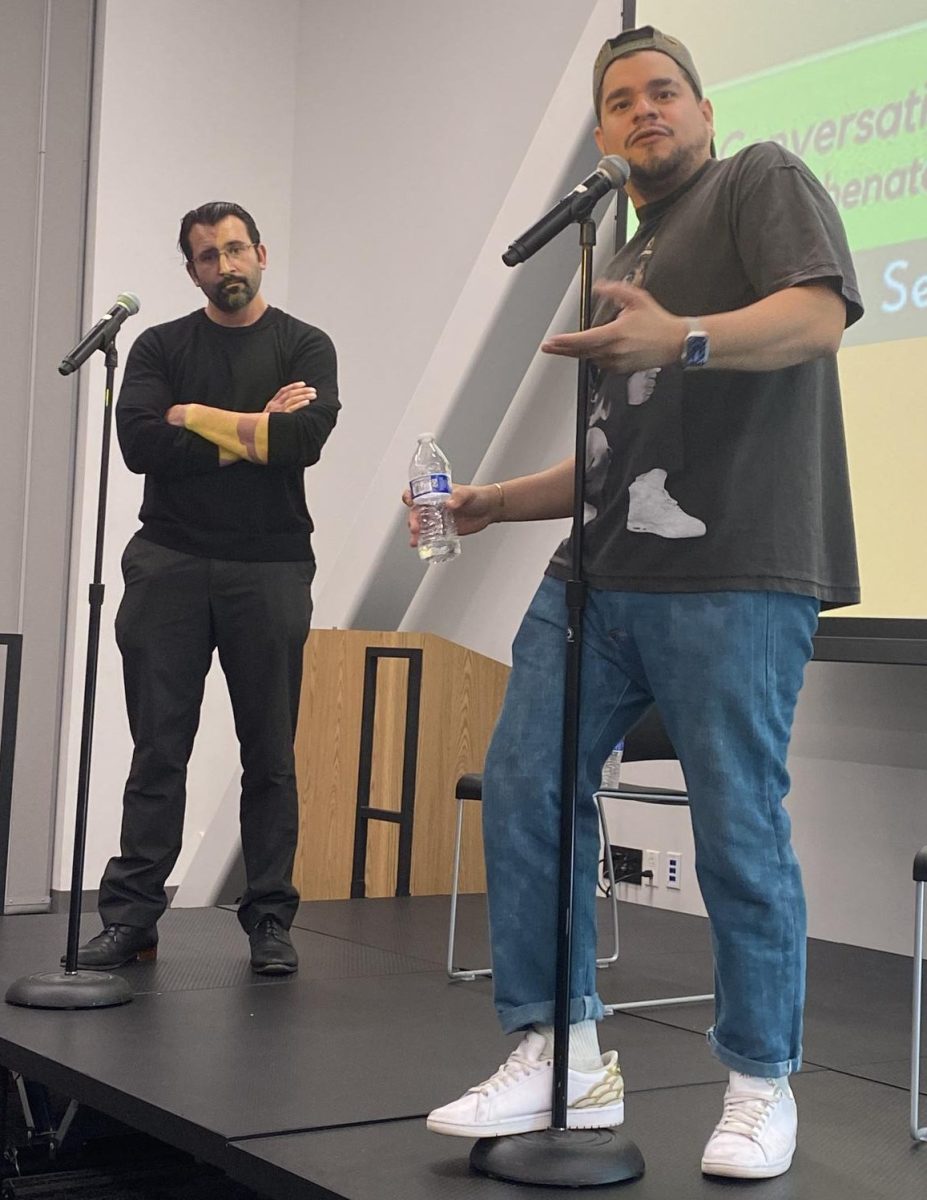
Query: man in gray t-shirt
{"type": "Point", "coordinates": [776, 513]}
{"type": "Point", "coordinates": [717, 524]}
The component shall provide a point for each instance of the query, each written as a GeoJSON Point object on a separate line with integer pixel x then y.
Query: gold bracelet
{"type": "Point", "coordinates": [501, 497]}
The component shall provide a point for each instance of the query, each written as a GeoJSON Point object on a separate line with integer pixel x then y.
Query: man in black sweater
{"type": "Point", "coordinates": [221, 411]}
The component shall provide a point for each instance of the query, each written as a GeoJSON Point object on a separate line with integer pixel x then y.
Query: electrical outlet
{"type": "Point", "coordinates": [627, 863]}
{"type": "Point", "coordinates": [652, 864]}
{"type": "Point", "coordinates": [673, 869]}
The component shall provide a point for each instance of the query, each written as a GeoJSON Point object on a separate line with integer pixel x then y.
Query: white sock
{"type": "Point", "coordinates": [781, 1080]}
{"type": "Point", "coordinates": [585, 1054]}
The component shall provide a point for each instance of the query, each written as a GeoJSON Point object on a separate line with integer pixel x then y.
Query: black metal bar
{"type": "Point", "coordinates": [90, 675]}
{"type": "Point", "coordinates": [364, 768]}
{"type": "Point", "coordinates": [365, 812]}
{"type": "Point", "coordinates": [382, 814]}
{"type": "Point", "coordinates": [628, 21]}
{"type": "Point", "coordinates": [887, 640]}
{"type": "Point", "coordinates": [409, 771]}
{"type": "Point", "coordinates": [12, 673]}
{"type": "Point", "coordinates": [576, 601]}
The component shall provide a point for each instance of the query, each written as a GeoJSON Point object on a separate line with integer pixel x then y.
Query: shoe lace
{"type": "Point", "coordinates": [514, 1068]}
{"type": "Point", "coordinates": [747, 1115]}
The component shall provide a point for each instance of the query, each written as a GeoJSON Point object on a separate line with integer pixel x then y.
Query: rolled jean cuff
{"type": "Point", "coordinates": [748, 1066]}
{"type": "Point", "coordinates": [582, 1008]}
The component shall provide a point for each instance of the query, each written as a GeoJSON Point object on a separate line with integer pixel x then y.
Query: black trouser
{"type": "Point", "coordinates": [176, 609]}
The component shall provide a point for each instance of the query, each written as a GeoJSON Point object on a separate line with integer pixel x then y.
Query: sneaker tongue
{"type": "Point", "coordinates": [749, 1085]}
{"type": "Point", "coordinates": [532, 1046]}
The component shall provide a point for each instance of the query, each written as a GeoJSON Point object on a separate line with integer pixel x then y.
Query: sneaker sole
{"type": "Point", "coordinates": [638, 527]}
{"type": "Point", "coordinates": [732, 1171]}
{"type": "Point", "coordinates": [275, 969]}
{"type": "Point", "coordinates": [577, 1118]}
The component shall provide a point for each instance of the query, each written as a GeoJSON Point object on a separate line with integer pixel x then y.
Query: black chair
{"type": "Point", "coordinates": [646, 741]}
{"type": "Point", "coordinates": [470, 787]}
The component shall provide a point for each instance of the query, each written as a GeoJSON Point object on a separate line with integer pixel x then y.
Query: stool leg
{"type": "Point", "coordinates": [667, 1001]}
{"type": "Point", "coordinates": [918, 1133]}
{"type": "Point", "coordinates": [613, 890]}
{"type": "Point", "coordinates": [452, 971]}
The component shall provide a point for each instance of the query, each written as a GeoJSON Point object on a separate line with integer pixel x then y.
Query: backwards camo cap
{"type": "Point", "coordinates": [631, 42]}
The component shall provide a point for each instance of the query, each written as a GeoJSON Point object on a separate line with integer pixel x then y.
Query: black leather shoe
{"type": "Point", "coordinates": [117, 946]}
{"type": "Point", "coordinates": [272, 952]}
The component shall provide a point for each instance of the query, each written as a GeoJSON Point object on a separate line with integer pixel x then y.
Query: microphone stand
{"type": "Point", "coordinates": [558, 1155]}
{"type": "Point", "coordinates": [72, 988]}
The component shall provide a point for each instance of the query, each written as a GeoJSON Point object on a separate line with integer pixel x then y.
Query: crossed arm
{"type": "Point", "coordinates": [239, 435]}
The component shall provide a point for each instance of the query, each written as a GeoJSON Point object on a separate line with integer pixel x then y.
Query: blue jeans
{"type": "Point", "coordinates": [725, 669]}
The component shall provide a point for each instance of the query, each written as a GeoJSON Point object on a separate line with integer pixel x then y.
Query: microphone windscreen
{"type": "Point", "coordinates": [615, 168]}
{"type": "Point", "coordinates": [130, 302]}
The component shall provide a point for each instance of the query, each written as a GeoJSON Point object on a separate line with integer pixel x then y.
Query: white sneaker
{"type": "Point", "coordinates": [755, 1138]}
{"type": "Point", "coordinates": [651, 509]}
{"type": "Point", "coordinates": [517, 1099]}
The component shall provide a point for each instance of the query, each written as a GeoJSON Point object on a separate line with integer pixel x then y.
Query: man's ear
{"type": "Point", "coordinates": [709, 114]}
{"type": "Point", "coordinates": [599, 139]}
{"type": "Point", "coordinates": [191, 271]}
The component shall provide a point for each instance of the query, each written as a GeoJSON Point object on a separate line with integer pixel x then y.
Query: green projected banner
{"type": "Point", "coordinates": [858, 117]}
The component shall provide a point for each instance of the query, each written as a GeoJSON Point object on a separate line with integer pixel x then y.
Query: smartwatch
{"type": "Point", "coordinates": [694, 347]}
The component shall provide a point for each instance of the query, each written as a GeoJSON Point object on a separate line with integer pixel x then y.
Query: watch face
{"type": "Point", "coordinates": [696, 353]}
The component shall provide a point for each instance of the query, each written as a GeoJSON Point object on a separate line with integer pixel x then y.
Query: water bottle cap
{"type": "Point", "coordinates": [426, 437]}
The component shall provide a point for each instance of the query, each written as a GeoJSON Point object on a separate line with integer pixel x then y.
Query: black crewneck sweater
{"type": "Point", "coordinates": [245, 511]}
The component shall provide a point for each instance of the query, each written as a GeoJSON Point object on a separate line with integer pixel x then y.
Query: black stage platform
{"type": "Point", "coordinates": [316, 1085]}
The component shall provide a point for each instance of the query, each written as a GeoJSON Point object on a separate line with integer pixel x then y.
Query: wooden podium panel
{"type": "Point", "coordinates": [460, 696]}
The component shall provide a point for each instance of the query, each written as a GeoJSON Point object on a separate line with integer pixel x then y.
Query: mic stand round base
{"type": "Point", "coordinates": [69, 989]}
{"type": "Point", "coordinates": [560, 1158]}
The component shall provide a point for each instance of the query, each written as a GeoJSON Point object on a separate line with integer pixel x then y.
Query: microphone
{"type": "Point", "coordinates": [612, 172]}
{"type": "Point", "coordinates": [101, 334]}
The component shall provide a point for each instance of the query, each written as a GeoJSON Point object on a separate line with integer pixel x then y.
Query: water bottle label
{"type": "Point", "coordinates": [435, 484]}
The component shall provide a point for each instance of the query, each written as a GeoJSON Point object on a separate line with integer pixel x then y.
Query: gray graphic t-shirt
{"type": "Point", "coordinates": [714, 480]}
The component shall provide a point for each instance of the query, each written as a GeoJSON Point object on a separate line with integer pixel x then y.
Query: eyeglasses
{"type": "Point", "coordinates": [233, 251]}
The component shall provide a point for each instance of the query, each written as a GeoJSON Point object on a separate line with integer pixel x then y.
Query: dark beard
{"type": "Point", "coordinates": [666, 174]}
{"type": "Point", "coordinates": [232, 301]}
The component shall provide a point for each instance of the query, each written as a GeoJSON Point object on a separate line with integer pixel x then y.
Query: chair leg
{"type": "Point", "coordinates": [613, 890]}
{"type": "Point", "coordinates": [665, 1003]}
{"type": "Point", "coordinates": [604, 962]}
{"type": "Point", "coordinates": [452, 971]}
{"type": "Point", "coordinates": [919, 1133]}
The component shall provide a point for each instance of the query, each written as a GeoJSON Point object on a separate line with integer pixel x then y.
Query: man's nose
{"type": "Point", "coordinates": [644, 107]}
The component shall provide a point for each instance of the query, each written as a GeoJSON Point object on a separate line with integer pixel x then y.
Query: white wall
{"type": "Point", "coordinates": [464, 121]}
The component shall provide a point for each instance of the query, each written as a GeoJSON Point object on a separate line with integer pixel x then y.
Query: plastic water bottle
{"type": "Point", "coordinates": [430, 485]}
{"type": "Point", "coordinates": [611, 771]}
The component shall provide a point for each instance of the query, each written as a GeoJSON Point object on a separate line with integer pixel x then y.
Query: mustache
{"type": "Point", "coordinates": [645, 129]}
